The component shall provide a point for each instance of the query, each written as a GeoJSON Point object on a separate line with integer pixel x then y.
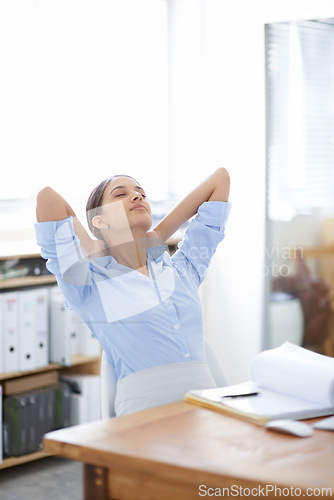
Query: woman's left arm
{"type": "Point", "coordinates": [215, 188]}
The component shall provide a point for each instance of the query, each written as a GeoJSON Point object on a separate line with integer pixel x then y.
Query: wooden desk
{"type": "Point", "coordinates": [167, 453]}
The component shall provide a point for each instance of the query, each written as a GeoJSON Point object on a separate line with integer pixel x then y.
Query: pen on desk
{"type": "Point", "coordinates": [240, 395]}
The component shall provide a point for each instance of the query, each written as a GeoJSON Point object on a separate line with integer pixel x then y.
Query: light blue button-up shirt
{"type": "Point", "coordinates": [140, 321]}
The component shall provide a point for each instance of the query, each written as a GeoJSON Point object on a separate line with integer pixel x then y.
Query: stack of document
{"type": "Point", "coordinates": [69, 335]}
{"type": "Point", "coordinates": [24, 330]}
{"type": "Point", "coordinates": [286, 382]}
{"type": "Point", "coordinates": [85, 397]}
{"type": "Point", "coordinates": [28, 416]}
{"type": "Point", "coordinates": [36, 327]}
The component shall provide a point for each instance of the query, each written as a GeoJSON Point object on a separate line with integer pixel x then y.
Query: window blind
{"type": "Point", "coordinates": [300, 117]}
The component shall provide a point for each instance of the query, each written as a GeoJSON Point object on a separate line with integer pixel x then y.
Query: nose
{"type": "Point", "coordinates": [137, 196]}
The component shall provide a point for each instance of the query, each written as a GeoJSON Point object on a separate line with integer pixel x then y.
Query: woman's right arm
{"type": "Point", "coordinates": [51, 206]}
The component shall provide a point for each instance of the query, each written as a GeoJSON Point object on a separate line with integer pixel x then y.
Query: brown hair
{"type": "Point", "coordinates": [94, 203]}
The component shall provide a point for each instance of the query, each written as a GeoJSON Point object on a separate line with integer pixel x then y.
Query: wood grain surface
{"type": "Point", "coordinates": [173, 449]}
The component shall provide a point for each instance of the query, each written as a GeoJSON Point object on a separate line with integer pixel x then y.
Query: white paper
{"type": "Point", "coordinates": [297, 372]}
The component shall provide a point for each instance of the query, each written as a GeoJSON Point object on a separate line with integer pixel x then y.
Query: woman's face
{"type": "Point", "coordinates": [124, 206]}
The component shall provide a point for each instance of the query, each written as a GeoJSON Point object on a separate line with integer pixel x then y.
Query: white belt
{"type": "Point", "coordinates": [160, 385]}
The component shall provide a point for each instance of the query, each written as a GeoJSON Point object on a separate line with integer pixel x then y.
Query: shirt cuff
{"type": "Point", "coordinates": [45, 231]}
{"type": "Point", "coordinates": [58, 240]}
{"type": "Point", "coordinates": [214, 213]}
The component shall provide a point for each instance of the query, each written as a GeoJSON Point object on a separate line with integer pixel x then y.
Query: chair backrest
{"type": "Point", "coordinates": [108, 387]}
{"type": "Point", "coordinates": [109, 380]}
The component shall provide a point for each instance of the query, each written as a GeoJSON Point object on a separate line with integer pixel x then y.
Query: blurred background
{"type": "Point", "coordinates": [167, 91]}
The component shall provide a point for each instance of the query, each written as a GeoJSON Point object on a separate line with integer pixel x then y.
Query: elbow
{"type": "Point", "coordinates": [44, 194]}
{"type": "Point", "coordinates": [43, 199]}
{"type": "Point", "coordinates": [221, 185]}
{"type": "Point", "coordinates": [224, 181]}
{"type": "Point", "coordinates": [51, 206]}
{"type": "Point", "coordinates": [223, 174]}
{"type": "Point", "coordinates": [45, 191]}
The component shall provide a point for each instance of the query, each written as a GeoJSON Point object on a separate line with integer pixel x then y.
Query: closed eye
{"type": "Point", "coordinates": [123, 194]}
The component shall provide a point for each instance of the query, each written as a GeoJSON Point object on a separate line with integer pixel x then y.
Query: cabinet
{"type": "Point", "coordinates": [33, 268]}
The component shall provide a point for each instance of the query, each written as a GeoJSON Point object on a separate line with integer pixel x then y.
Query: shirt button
{"type": "Point", "coordinates": [177, 326]}
{"type": "Point", "coordinates": [187, 355]}
{"type": "Point", "coordinates": [167, 301]}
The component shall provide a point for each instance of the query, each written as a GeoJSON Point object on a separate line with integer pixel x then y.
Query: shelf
{"type": "Point", "coordinates": [76, 361]}
{"type": "Point", "coordinates": [23, 381]}
{"type": "Point", "coordinates": [13, 461]}
{"type": "Point", "coordinates": [27, 281]}
{"type": "Point", "coordinates": [10, 375]}
{"type": "Point", "coordinates": [79, 363]}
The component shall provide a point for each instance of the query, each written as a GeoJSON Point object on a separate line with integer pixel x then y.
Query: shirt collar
{"type": "Point", "coordinates": [107, 261]}
{"type": "Point", "coordinates": [154, 253]}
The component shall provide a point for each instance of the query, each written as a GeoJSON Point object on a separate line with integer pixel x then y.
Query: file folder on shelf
{"type": "Point", "coordinates": [30, 415]}
{"type": "Point", "coordinates": [10, 332]}
{"type": "Point", "coordinates": [85, 398]}
{"type": "Point", "coordinates": [26, 328]}
{"type": "Point", "coordinates": [62, 405]}
{"type": "Point", "coordinates": [2, 334]}
{"type": "Point", "coordinates": [46, 415]}
{"type": "Point", "coordinates": [15, 417]}
{"type": "Point", "coordinates": [69, 335]}
{"type": "Point", "coordinates": [41, 327]}
{"type": "Point", "coordinates": [1, 426]}
{"type": "Point", "coordinates": [79, 409]}
{"type": "Point", "coordinates": [63, 329]}
{"type": "Point", "coordinates": [6, 440]}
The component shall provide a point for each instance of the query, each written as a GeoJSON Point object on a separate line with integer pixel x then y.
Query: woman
{"type": "Point", "coordinates": [140, 303]}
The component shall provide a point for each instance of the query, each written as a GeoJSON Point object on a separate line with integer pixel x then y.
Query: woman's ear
{"type": "Point", "coordinates": [99, 223]}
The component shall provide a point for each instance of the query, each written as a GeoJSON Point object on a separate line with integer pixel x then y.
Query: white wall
{"type": "Point", "coordinates": [234, 92]}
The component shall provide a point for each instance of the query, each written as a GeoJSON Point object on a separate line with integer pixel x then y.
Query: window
{"type": "Point", "coordinates": [300, 117]}
{"type": "Point", "coordinates": [83, 95]}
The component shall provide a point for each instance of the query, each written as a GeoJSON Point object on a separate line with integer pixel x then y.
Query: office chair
{"type": "Point", "coordinates": [109, 380]}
